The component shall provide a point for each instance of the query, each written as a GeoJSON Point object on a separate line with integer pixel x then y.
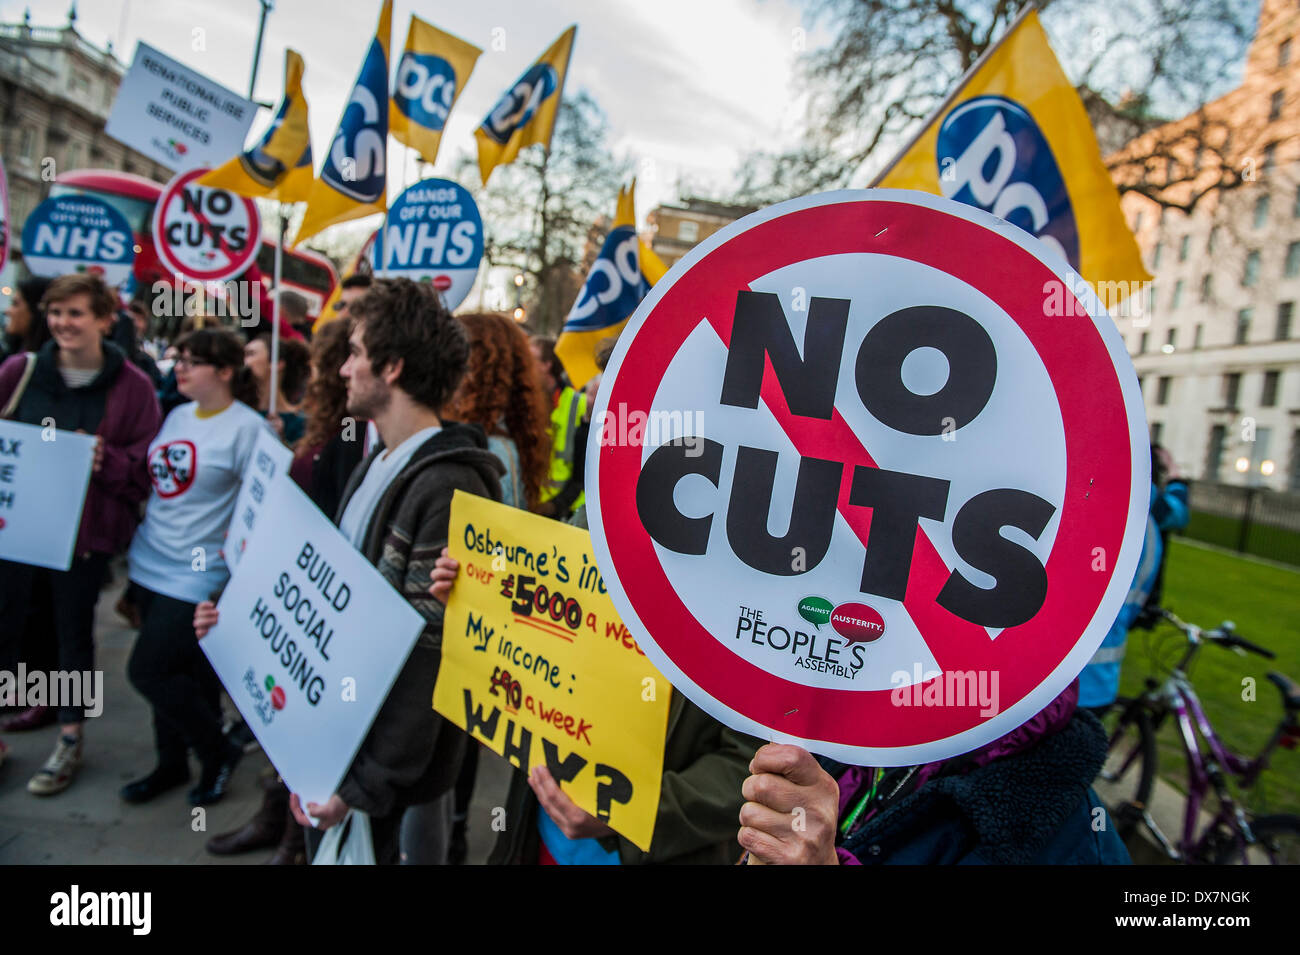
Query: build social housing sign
{"type": "Point", "coordinates": [860, 486]}
{"type": "Point", "coordinates": [433, 233]}
{"type": "Point", "coordinates": [310, 639]}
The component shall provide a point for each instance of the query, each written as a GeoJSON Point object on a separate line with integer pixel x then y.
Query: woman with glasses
{"type": "Point", "coordinates": [196, 463]}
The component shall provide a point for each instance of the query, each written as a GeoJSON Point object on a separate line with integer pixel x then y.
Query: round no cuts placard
{"type": "Point", "coordinates": [861, 483]}
{"type": "Point", "coordinates": [202, 233]}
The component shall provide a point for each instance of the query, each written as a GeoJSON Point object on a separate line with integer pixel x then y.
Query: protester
{"type": "Point", "coordinates": [501, 394]}
{"type": "Point", "coordinates": [350, 289]}
{"type": "Point", "coordinates": [1099, 681]}
{"type": "Point", "coordinates": [562, 492]}
{"type": "Point", "coordinates": [332, 443]}
{"type": "Point", "coordinates": [80, 382]}
{"type": "Point", "coordinates": [129, 336]}
{"type": "Point", "coordinates": [293, 309]}
{"type": "Point", "coordinates": [293, 370]}
{"type": "Point", "coordinates": [25, 327]}
{"type": "Point", "coordinates": [704, 764]}
{"type": "Point", "coordinates": [1025, 798]}
{"type": "Point", "coordinates": [323, 461]}
{"type": "Point", "coordinates": [196, 463]}
{"type": "Point", "coordinates": [408, 356]}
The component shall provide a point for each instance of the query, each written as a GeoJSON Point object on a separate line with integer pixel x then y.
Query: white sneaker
{"type": "Point", "coordinates": [56, 775]}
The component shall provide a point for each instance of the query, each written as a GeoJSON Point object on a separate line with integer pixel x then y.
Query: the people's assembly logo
{"type": "Point", "coordinates": [841, 653]}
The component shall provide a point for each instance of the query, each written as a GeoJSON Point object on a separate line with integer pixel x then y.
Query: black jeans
{"type": "Point", "coordinates": [63, 599]}
{"type": "Point", "coordinates": [171, 672]}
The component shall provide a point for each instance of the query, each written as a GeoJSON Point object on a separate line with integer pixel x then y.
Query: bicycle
{"type": "Point", "coordinates": [1233, 835]}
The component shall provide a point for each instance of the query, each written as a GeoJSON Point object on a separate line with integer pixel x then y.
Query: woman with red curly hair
{"type": "Point", "coordinates": [502, 394]}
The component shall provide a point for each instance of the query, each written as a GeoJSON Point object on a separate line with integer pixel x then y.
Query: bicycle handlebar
{"type": "Point", "coordinates": [1224, 635]}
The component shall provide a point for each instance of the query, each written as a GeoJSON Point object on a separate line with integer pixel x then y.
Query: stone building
{"type": "Point", "coordinates": [56, 91]}
{"type": "Point", "coordinates": [1217, 348]}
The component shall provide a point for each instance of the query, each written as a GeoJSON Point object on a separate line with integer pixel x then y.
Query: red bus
{"type": "Point", "coordinates": [308, 273]}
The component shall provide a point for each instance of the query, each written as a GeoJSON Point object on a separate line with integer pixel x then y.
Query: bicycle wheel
{"type": "Point", "coordinates": [1277, 843]}
{"type": "Point", "coordinates": [1129, 772]}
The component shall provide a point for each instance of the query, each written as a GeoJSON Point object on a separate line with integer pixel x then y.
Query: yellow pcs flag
{"type": "Point", "coordinates": [353, 178]}
{"type": "Point", "coordinates": [1015, 140]}
{"type": "Point", "coordinates": [433, 70]}
{"type": "Point", "coordinates": [619, 279]}
{"type": "Point", "coordinates": [279, 166]}
{"type": "Point", "coordinates": [525, 113]}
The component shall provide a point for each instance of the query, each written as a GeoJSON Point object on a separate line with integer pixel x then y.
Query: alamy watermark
{"type": "Point", "coordinates": [621, 428]}
{"type": "Point", "coordinates": [236, 299]}
{"type": "Point", "coordinates": [949, 688]}
{"type": "Point", "coordinates": [72, 689]}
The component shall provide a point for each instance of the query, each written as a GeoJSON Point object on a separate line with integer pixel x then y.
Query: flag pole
{"type": "Point", "coordinates": [275, 312]}
{"type": "Point", "coordinates": [951, 97]}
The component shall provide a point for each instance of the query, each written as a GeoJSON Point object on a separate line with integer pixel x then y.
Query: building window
{"type": "Point", "coordinates": [1284, 310]}
{"type": "Point", "coordinates": [1292, 268]}
{"type": "Point", "coordinates": [1214, 452]}
{"type": "Point", "coordinates": [26, 143]}
{"type": "Point", "coordinates": [1155, 256]}
{"type": "Point", "coordinates": [1137, 222]}
{"type": "Point", "coordinates": [1162, 390]}
{"type": "Point", "coordinates": [1142, 343]}
{"type": "Point", "coordinates": [1275, 106]}
{"type": "Point", "coordinates": [1157, 432]}
{"type": "Point", "coordinates": [1231, 388]}
{"type": "Point", "coordinates": [1212, 239]}
{"type": "Point", "coordinates": [1183, 245]}
{"type": "Point", "coordinates": [1261, 211]}
{"type": "Point", "coordinates": [688, 231]}
{"type": "Point", "coordinates": [1270, 157]}
{"type": "Point", "coordinates": [1151, 299]}
{"type": "Point", "coordinates": [1171, 338]}
{"type": "Point", "coordinates": [1142, 380]}
{"type": "Point", "coordinates": [1268, 394]}
{"type": "Point", "coordinates": [1284, 53]}
{"type": "Point", "coordinates": [1196, 337]}
{"type": "Point", "coordinates": [1243, 325]}
{"type": "Point", "coordinates": [1207, 287]}
{"type": "Point", "coordinates": [1178, 294]}
{"type": "Point", "coordinates": [1250, 274]}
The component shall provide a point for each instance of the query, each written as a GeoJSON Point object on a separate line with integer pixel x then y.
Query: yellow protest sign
{"type": "Point", "coordinates": [537, 664]}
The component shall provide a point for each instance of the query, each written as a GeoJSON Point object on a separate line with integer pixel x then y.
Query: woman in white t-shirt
{"type": "Point", "coordinates": [196, 463]}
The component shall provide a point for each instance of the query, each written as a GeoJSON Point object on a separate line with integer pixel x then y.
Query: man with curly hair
{"type": "Point", "coordinates": [407, 357]}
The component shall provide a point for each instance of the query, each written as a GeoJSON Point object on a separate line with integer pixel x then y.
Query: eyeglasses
{"type": "Point", "coordinates": [191, 363]}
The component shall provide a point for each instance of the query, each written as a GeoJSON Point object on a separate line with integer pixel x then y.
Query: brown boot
{"type": "Point", "coordinates": [292, 849]}
{"type": "Point", "coordinates": [265, 828]}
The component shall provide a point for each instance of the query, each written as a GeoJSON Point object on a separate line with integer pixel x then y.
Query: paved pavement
{"type": "Point", "coordinates": [89, 824]}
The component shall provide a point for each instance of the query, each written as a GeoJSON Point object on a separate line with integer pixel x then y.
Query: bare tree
{"type": "Point", "coordinates": [891, 63]}
{"type": "Point", "coordinates": [538, 212]}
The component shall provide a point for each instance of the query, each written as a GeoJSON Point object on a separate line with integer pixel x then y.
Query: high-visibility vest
{"type": "Point", "coordinates": [565, 418]}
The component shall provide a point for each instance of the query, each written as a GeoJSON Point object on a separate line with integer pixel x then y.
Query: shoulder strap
{"type": "Point", "coordinates": [12, 405]}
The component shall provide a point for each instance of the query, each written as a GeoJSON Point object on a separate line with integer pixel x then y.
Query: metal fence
{"type": "Point", "coordinates": [1250, 520]}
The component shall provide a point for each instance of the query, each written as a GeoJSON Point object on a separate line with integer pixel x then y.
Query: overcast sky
{"type": "Point", "coordinates": [688, 86]}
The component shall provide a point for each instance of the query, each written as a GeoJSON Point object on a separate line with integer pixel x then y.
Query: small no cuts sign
{"type": "Point", "coordinates": [44, 474]}
{"type": "Point", "coordinates": [860, 486]}
{"type": "Point", "coordinates": [203, 233]}
{"type": "Point", "coordinates": [433, 233]}
{"type": "Point", "coordinates": [310, 640]}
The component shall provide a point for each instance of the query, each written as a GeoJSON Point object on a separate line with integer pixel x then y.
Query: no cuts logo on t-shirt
{"type": "Point", "coordinates": [172, 467]}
